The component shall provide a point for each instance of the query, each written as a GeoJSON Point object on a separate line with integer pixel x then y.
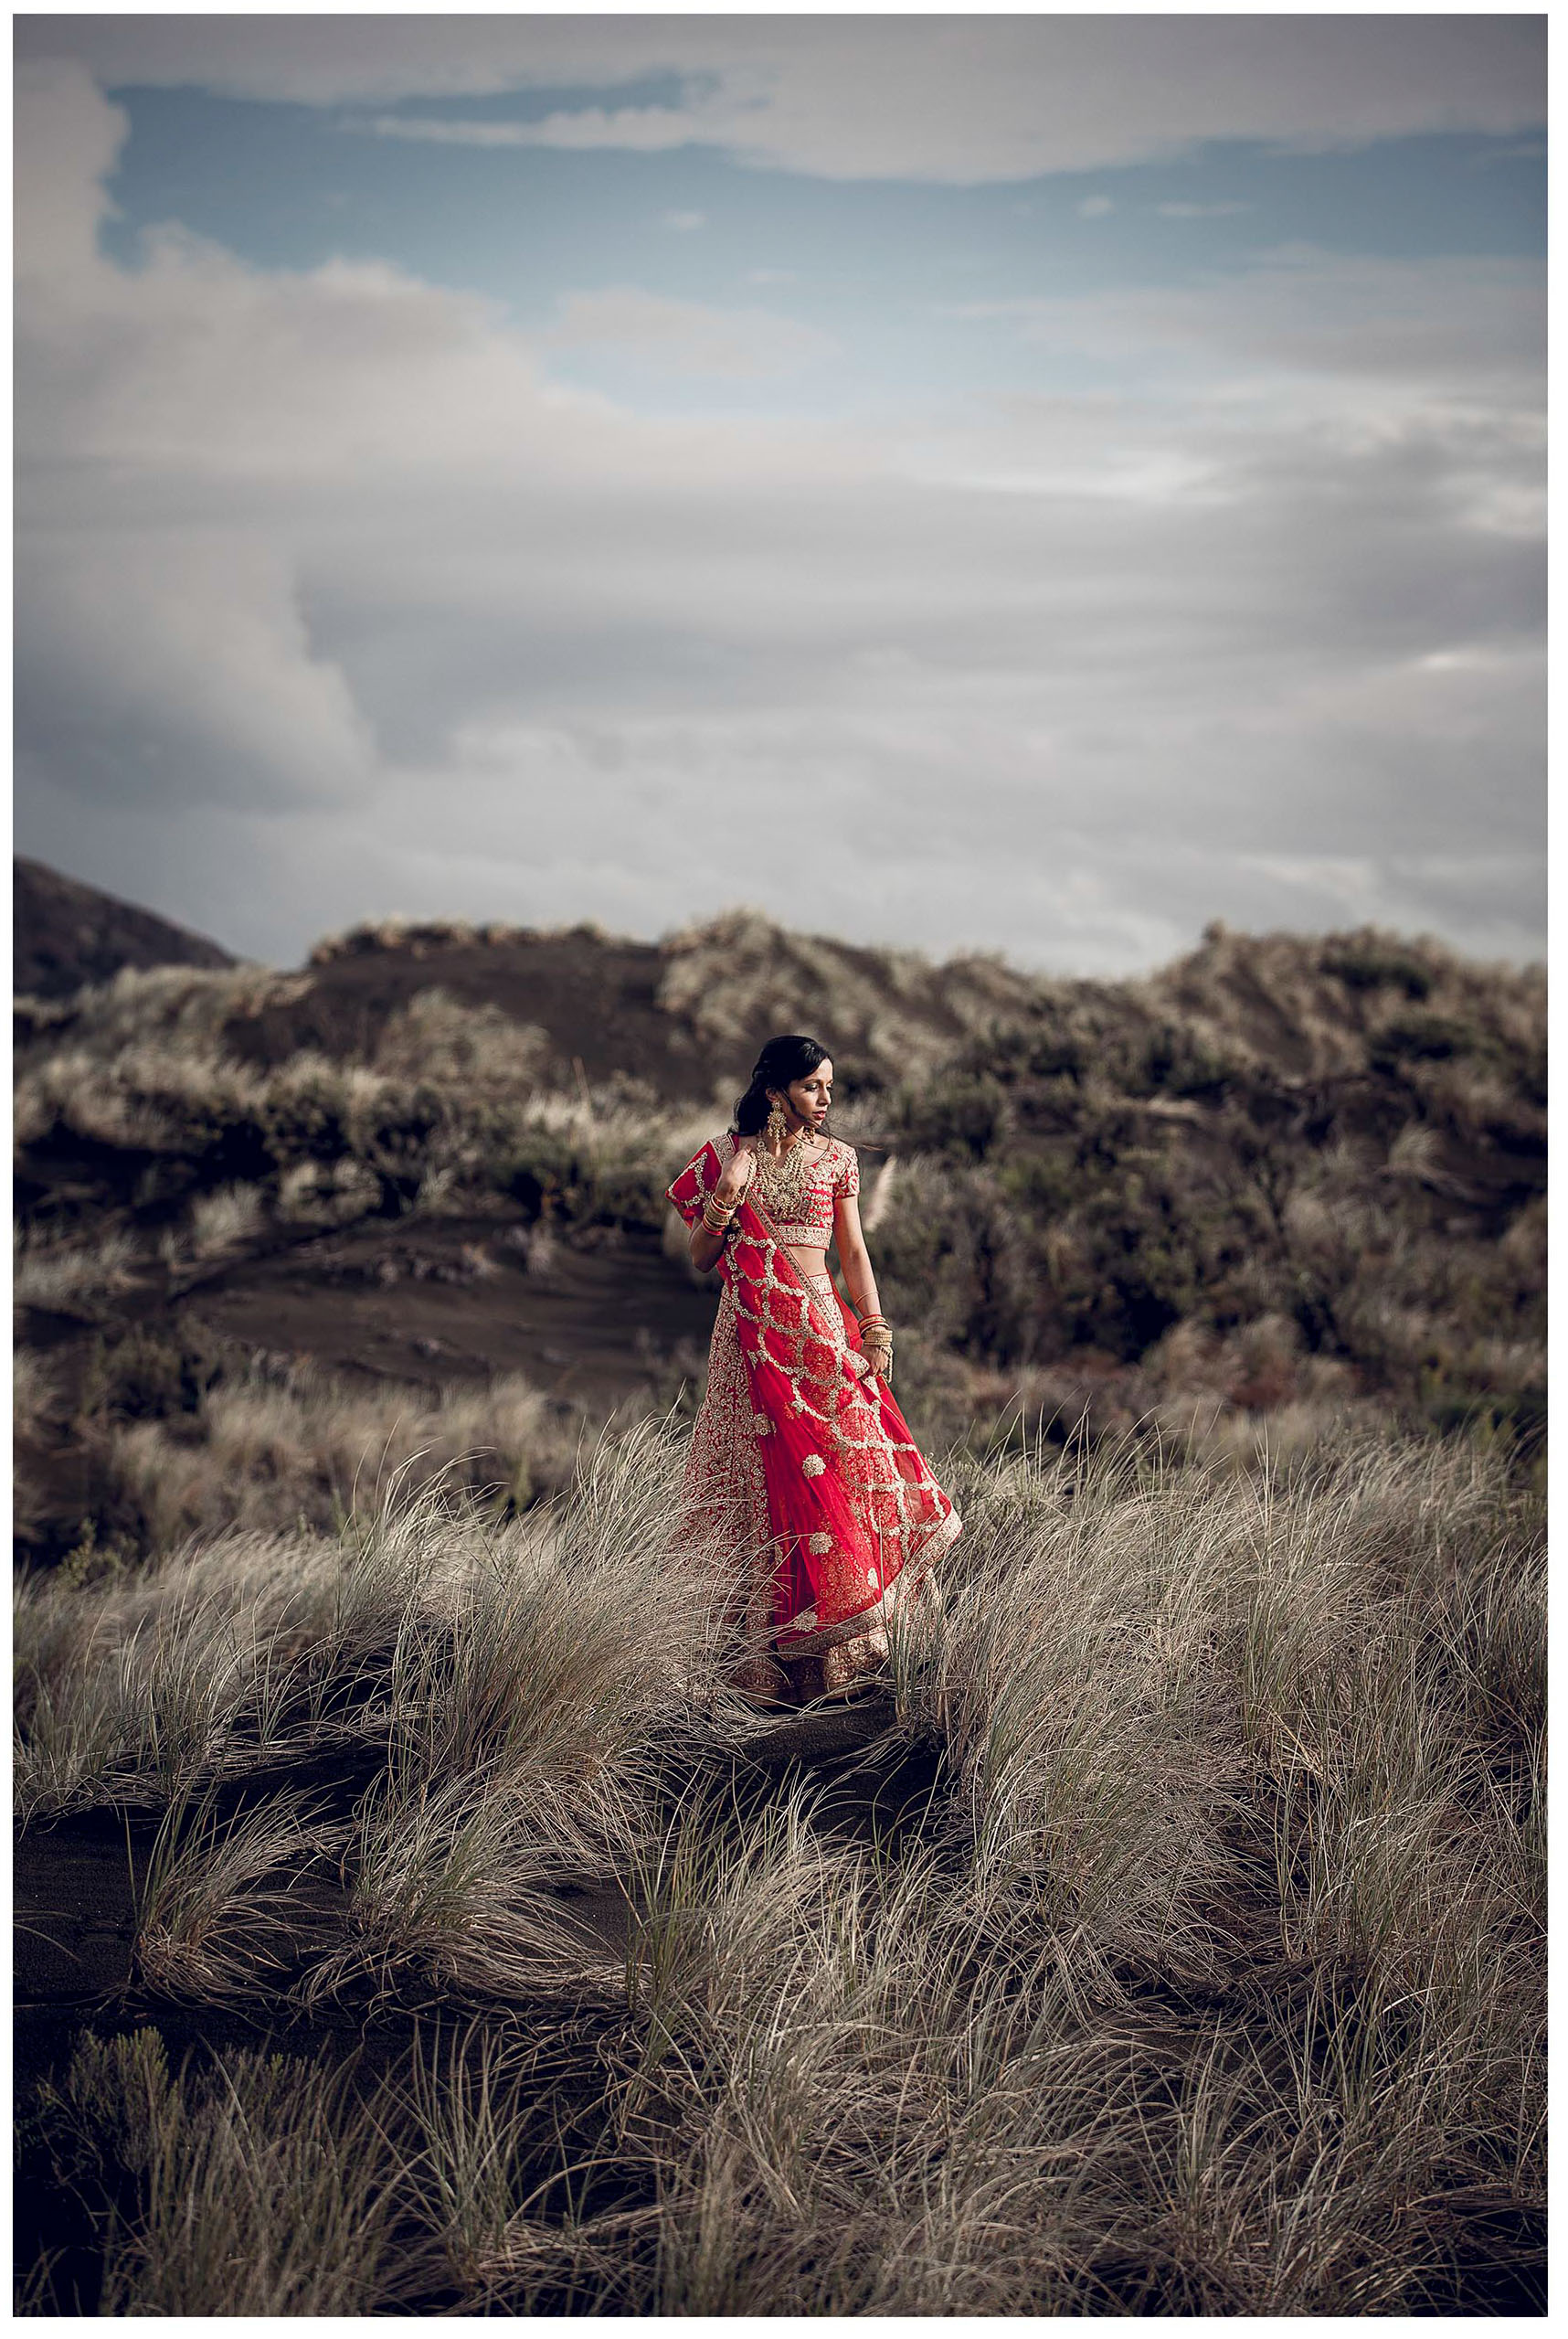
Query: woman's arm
{"type": "Point", "coordinates": [853, 1261]}
{"type": "Point", "coordinates": [875, 1337]}
{"type": "Point", "coordinates": [706, 1246]}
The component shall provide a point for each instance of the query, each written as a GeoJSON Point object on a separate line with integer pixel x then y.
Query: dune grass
{"type": "Point", "coordinates": [421, 1616]}
{"type": "Point", "coordinates": [34, 1392]}
{"type": "Point", "coordinates": [261, 2184]}
{"type": "Point", "coordinates": [72, 1278]}
{"type": "Point", "coordinates": [216, 1913]}
{"type": "Point", "coordinates": [264, 1449]}
{"type": "Point", "coordinates": [1203, 1976]}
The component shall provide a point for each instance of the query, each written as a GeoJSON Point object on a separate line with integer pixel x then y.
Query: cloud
{"type": "Point", "coordinates": [173, 667]}
{"type": "Point", "coordinates": [1200, 210]}
{"type": "Point", "coordinates": [1441, 323]}
{"type": "Point", "coordinates": [642, 130]}
{"type": "Point", "coordinates": [430, 129]}
{"type": "Point", "coordinates": [947, 99]}
{"type": "Point", "coordinates": [67, 140]}
{"type": "Point", "coordinates": [334, 598]}
{"type": "Point", "coordinates": [684, 223]}
{"type": "Point", "coordinates": [687, 336]}
{"type": "Point", "coordinates": [637, 130]}
{"type": "Point", "coordinates": [1094, 206]}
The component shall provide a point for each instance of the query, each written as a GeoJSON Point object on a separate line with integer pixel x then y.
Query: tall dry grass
{"type": "Point", "coordinates": [421, 1616]}
{"type": "Point", "coordinates": [1201, 1975]}
{"type": "Point", "coordinates": [66, 1278]}
{"type": "Point", "coordinates": [261, 2183]}
{"type": "Point", "coordinates": [218, 1911]}
{"type": "Point", "coordinates": [263, 1450]}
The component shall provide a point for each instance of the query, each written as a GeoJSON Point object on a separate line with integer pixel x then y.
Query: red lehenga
{"type": "Point", "coordinates": [802, 1468]}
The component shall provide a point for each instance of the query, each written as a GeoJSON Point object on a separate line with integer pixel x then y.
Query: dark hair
{"type": "Point", "coordinates": [789, 1057]}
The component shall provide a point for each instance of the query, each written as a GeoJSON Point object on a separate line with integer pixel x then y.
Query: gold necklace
{"type": "Point", "coordinates": [786, 1185]}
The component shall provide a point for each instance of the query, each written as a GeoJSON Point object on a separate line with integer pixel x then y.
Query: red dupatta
{"type": "Point", "coordinates": [851, 1500]}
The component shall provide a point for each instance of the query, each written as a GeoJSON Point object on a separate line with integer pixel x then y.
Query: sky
{"type": "Point", "coordinates": [1032, 482]}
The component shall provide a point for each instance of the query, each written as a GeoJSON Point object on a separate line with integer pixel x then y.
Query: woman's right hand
{"type": "Point", "coordinates": [738, 1172]}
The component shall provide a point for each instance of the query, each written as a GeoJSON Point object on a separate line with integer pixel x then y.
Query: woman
{"type": "Point", "coordinates": [801, 1464]}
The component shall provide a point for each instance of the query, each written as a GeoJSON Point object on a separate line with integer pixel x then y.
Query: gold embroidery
{"type": "Point", "coordinates": [788, 1186]}
{"type": "Point", "coordinates": [801, 1209]}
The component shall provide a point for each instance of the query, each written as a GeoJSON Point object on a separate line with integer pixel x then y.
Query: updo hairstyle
{"type": "Point", "coordinates": [790, 1057]}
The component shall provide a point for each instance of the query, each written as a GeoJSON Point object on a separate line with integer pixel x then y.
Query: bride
{"type": "Point", "coordinates": [801, 1464]}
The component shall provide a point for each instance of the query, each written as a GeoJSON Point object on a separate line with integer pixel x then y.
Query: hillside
{"type": "Point", "coordinates": [1284, 1176]}
{"type": "Point", "coordinates": [65, 934]}
{"type": "Point", "coordinates": [686, 1014]}
{"type": "Point", "coordinates": [674, 1015]}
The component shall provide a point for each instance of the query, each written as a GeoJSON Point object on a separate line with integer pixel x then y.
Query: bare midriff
{"type": "Point", "coordinates": [805, 1262]}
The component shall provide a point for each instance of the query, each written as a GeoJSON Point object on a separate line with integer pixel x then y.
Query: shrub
{"type": "Point", "coordinates": [1372, 961]}
{"type": "Point", "coordinates": [439, 1039]}
{"type": "Point", "coordinates": [1426, 1037]}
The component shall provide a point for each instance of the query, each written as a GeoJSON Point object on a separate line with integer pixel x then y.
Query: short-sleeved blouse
{"type": "Point", "coordinates": [834, 1179]}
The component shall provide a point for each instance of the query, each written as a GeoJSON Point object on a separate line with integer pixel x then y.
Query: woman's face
{"type": "Point", "coordinates": [806, 1101]}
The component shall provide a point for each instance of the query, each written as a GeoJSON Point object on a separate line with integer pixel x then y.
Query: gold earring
{"type": "Point", "coordinates": [776, 1125]}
